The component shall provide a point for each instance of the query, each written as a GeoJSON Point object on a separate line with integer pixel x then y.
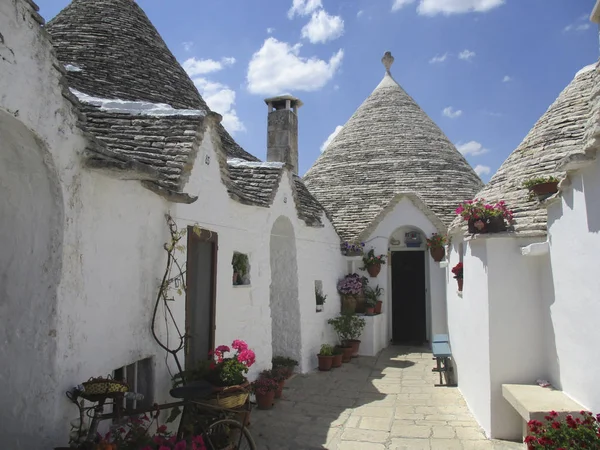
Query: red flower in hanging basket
{"type": "Point", "coordinates": [457, 270]}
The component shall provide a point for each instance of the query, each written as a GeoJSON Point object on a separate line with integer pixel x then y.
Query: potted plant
{"type": "Point", "coordinates": [239, 262]}
{"type": "Point", "coordinates": [571, 433]}
{"type": "Point", "coordinates": [542, 186]}
{"type": "Point", "coordinates": [485, 217]}
{"type": "Point", "coordinates": [279, 375]}
{"type": "Point", "coordinates": [325, 357]}
{"type": "Point", "coordinates": [348, 327]}
{"type": "Point", "coordinates": [285, 364]}
{"type": "Point", "coordinates": [372, 263]}
{"type": "Point", "coordinates": [352, 248]}
{"type": "Point", "coordinates": [436, 244]}
{"type": "Point", "coordinates": [338, 354]}
{"type": "Point", "coordinates": [264, 389]}
{"type": "Point", "coordinates": [351, 288]}
{"type": "Point", "coordinates": [372, 298]}
{"type": "Point", "coordinates": [457, 270]}
{"type": "Point", "coordinates": [320, 299]}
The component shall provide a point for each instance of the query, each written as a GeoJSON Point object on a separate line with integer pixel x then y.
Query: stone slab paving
{"type": "Point", "coordinates": [373, 403]}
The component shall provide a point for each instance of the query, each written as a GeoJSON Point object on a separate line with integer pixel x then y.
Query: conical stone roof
{"type": "Point", "coordinates": [557, 134]}
{"type": "Point", "coordinates": [389, 147]}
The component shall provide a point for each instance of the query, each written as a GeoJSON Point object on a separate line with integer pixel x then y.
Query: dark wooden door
{"type": "Point", "coordinates": [409, 316]}
{"type": "Point", "coordinates": [201, 277]}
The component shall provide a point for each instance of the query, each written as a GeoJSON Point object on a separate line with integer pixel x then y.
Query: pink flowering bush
{"type": "Point", "coordinates": [231, 370]}
{"type": "Point", "coordinates": [572, 433]}
{"type": "Point", "coordinates": [352, 284]}
{"type": "Point", "coordinates": [479, 209]}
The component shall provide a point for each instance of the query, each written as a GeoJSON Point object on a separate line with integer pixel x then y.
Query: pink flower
{"type": "Point", "coordinates": [247, 357]}
{"type": "Point", "coordinates": [222, 349]}
{"type": "Point", "coordinates": [163, 447]}
{"type": "Point", "coordinates": [181, 445]}
{"type": "Point", "coordinates": [239, 345]}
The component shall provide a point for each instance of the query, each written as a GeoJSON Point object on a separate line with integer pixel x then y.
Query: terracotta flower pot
{"type": "Point", "coordinates": [348, 303]}
{"type": "Point", "coordinates": [437, 253]}
{"type": "Point", "coordinates": [543, 189]}
{"type": "Point", "coordinates": [361, 302]}
{"type": "Point", "coordinates": [354, 345]}
{"type": "Point", "coordinates": [374, 270]}
{"type": "Point", "coordinates": [279, 390]}
{"type": "Point", "coordinates": [325, 362]}
{"type": "Point", "coordinates": [460, 284]}
{"type": "Point", "coordinates": [378, 307]}
{"type": "Point", "coordinates": [346, 353]}
{"type": "Point", "coordinates": [337, 360]}
{"type": "Point", "coordinates": [369, 310]}
{"type": "Point", "coordinates": [265, 401]}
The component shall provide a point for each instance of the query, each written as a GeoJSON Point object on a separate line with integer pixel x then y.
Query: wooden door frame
{"type": "Point", "coordinates": [213, 238]}
{"type": "Point", "coordinates": [426, 270]}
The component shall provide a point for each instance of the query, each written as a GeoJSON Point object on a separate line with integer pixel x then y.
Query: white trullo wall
{"type": "Point", "coordinates": [572, 287]}
{"type": "Point", "coordinates": [405, 215]}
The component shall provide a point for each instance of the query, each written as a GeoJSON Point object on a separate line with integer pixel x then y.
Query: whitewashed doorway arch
{"type": "Point", "coordinates": [285, 306]}
{"type": "Point", "coordinates": [31, 234]}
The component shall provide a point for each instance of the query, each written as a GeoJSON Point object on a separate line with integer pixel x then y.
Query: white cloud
{"type": "Point", "coordinates": [447, 7]}
{"type": "Point", "coordinates": [331, 138]}
{"type": "Point", "coordinates": [450, 112]}
{"type": "Point", "coordinates": [323, 27]}
{"type": "Point", "coordinates": [472, 148]}
{"type": "Point", "coordinates": [196, 67]}
{"type": "Point", "coordinates": [399, 4]}
{"type": "Point", "coordinates": [278, 66]}
{"type": "Point", "coordinates": [270, 30]}
{"type": "Point", "coordinates": [303, 7]}
{"type": "Point", "coordinates": [466, 55]}
{"type": "Point", "coordinates": [187, 46]}
{"type": "Point", "coordinates": [577, 27]}
{"type": "Point", "coordinates": [482, 170]}
{"type": "Point", "coordinates": [221, 99]}
{"type": "Point", "coordinates": [360, 13]}
{"type": "Point", "coordinates": [438, 58]}
{"type": "Point", "coordinates": [506, 79]}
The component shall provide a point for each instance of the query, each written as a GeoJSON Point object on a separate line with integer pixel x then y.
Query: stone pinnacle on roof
{"type": "Point", "coordinates": [389, 147]}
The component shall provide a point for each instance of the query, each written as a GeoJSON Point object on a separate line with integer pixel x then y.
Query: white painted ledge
{"type": "Point", "coordinates": [241, 286]}
{"type": "Point", "coordinates": [536, 249]}
{"type": "Point", "coordinates": [443, 264]}
{"type": "Point", "coordinates": [459, 293]}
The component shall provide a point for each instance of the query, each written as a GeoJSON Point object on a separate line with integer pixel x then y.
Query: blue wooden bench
{"type": "Point", "coordinates": [442, 354]}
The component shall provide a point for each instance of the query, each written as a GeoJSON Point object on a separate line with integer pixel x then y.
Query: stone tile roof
{"type": "Point", "coordinates": [257, 183]}
{"type": "Point", "coordinates": [117, 53]}
{"type": "Point", "coordinates": [389, 147]}
{"type": "Point", "coordinates": [557, 134]}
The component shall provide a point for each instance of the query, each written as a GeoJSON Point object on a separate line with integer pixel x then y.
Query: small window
{"type": "Point", "coordinates": [319, 296]}
{"type": "Point", "coordinates": [241, 269]}
{"type": "Point", "coordinates": [140, 377]}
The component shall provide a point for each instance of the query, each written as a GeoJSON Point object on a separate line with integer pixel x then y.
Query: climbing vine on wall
{"type": "Point", "coordinates": [173, 283]}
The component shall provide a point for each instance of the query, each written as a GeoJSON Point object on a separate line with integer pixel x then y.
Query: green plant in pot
{"type": "Point", "coordinates": [338, 354]}
{"type": "Point", "coordinates": [372, 296]}
{"type": "Point", "coordinates": [325, 357]}
{"type": "Point", "coordinates": [320, 297]}
{"type": "Point", "coordinates": [284, 364]}
{"type": "Point", "coordinates": [348, 327]}
{"type": "Point", "coordinates": [239, 262]}
{"type": "Point", "coordinates": [542, 187]}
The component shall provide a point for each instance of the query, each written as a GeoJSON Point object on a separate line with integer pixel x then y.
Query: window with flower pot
{"type": "Point", "coordinates": [240, 264]}
{"type": "Point", "coordinates": [319, 296]}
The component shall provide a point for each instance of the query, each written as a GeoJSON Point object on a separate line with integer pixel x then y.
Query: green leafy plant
{"type": "Point", "coordinates": [230, 371]}
{"type": "Point", "coordinates": [371, 260]}
{"type": "Point", "coordinates": [348, 326]}
{"type": "Point", "coordinates": [320, 297]}
{"type": "Point", "coordinates": [539, 180]}
{"type": "Point", "coordinates": [337, 351]}
{"type": "Point", "coordinates": [436, 240]}
{"type": "Point", "coordinates": [278, 374]}
{"type": "Point", "coordinates": [240, 263]}
{"type": "Point", "coordinates": [372, 295]}
{"type": "Point", "coordinates": [326, 350]}
{"type": "Point", "coordinates": [572, 433]}
{"type": "Point", "coordinates": [284, 361]}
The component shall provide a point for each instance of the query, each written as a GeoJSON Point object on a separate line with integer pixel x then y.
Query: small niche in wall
{"type": "Point", "coordinates": [241, 269]}
{"type": "Point", "coordinates": [319, 296]}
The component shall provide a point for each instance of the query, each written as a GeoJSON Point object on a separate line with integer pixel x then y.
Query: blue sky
{"type": "Point", "coordinates": [493, 66]}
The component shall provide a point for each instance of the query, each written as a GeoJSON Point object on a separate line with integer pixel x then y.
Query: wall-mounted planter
{"type": "Point", "coordinates": [544, 190]}
{"type": "Point", "coordinates": [437, 253]}
{"type": "Point", "coordinates": [319, 308]}
{"type": "Point", "coordinates": [374, 270]}
{"type": "Point", "coordinates": [488, 225]}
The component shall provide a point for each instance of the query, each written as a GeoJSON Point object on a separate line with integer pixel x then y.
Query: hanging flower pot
{"type": "Point", "coordinates": [374, 270]}
{"type": "Point", "coordinates": [460, 284]}
{"type": "Point", "coordinates": [437, 253]}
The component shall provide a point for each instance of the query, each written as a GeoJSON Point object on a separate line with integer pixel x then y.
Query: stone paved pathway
{"type": "Point", "coordinates": [387, 402]}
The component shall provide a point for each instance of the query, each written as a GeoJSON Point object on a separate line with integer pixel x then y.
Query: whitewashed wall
{"type": "Point", "coordinates": [574, 228]}
{"type": "Point", "coordinates": [406, 214]}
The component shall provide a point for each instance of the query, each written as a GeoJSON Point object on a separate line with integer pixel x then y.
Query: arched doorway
{"type": "Point", "coordinates": [285, 306]}
{"type": "Point", "coordinates": [409, 286]}
{"type": "Point", "coordinates": [31, 229]}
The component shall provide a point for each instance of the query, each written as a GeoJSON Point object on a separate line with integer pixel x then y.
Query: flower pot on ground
{"type": "Point", "coordinates": [354, 345]}
{"type": "Point", "coordinates": [485, 217]}
{"type": "Point", "coordinates": [542, 187]}
{"type": "Point", "coordinates": [348, 327]}
{"type": "Point", "coordinates": [372, 297]}
{"type": "Point", "coordinates": [264, 390]}
{"type": "Point", "coordinates": [581, 431]}
{"type": "Point", "coordinates": [346, 353]}
{"type": "Point", "coordinates": [279, 375]}
{"type": "Point", "coordinates": [372, 263]}
{"type": "Point", "coordinates": [325, 357]}
{"type": "Point", "coordinates": [436, 244]}
{"type": "Point", "coordinates": [378, 307]}
{"type": "Point", "coordinates": [338, 354]}
{"type": "Point", "coordinates": [284, 363]}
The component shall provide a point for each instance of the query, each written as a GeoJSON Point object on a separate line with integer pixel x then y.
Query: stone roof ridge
{"type": "Point", "coordinates": [238, 162]}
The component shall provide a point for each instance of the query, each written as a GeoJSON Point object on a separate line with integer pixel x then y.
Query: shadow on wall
{"type": "Point", "coordinates": [591, 191]}
{"type": "Point", "coordinates": [31, 234]}
{"type": "Point", "coordinates": [546, 280]}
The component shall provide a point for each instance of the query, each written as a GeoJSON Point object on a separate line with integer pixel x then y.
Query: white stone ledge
{"type": "Point", "coordinates": [480, 236]}
{"type": "Point", "coordinates": [536, 249]}
{"type": "Point", "coordinates": [443, 264]}
{"type": "Point", "coordinates": [241, 286]}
